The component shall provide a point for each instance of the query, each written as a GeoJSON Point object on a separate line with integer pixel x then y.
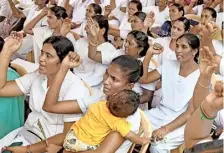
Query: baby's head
{"type": "Point", "coordinates": [124, 103]}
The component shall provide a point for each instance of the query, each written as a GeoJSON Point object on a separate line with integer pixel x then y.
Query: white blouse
{"type": "Point", "coordinates": [167, 54]}
{"type": "Point", "coordinates": [90, 71]}
{"type": "Point", "coordinates": [160, 17]}
{"type": "Point", "coordinates": [125, 26]}
{"type": "Point", "coordinates": [35, 84]}
{"type": "Point", "coordinates": [176, 90]}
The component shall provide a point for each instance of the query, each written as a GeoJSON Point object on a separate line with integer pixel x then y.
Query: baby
{"type": "Point", "coordinates": [102, 118]}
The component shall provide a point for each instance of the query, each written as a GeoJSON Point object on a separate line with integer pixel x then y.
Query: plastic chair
{"type": "Point", "coordinates": [144, 122]}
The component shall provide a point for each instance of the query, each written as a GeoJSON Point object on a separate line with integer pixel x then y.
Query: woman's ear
{"type": "Point", "coordinates": [194, 51]}
{"type": "Point", "coordinates": [130, 86]}
{"type": "Point", "coordinates": [140, 50]}
{"type": "Point", "coordinates": [182, 13]}
{"type": "Point", "coordinates": [102, 31]}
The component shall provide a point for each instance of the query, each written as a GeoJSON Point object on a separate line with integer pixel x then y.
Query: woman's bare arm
{"type": "Point", "coordinates": [152, 76]}
{"type": "Point", "coordinates": [51, 103]}
{"type": "Point", "coordinates": [28, 28]}
{"type": "Point", "coordinates": [202, 126]}
{"type": "Point", "coordinates": [12, 44]}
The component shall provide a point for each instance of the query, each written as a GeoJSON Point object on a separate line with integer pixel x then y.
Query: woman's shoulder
{"type": "Point", "coordinates": [71, 78]}
{"type": "Point", "coordinates": [106, 46]}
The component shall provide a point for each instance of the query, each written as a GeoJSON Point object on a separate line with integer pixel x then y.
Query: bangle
{"type": "Point", "coordinates": [91, 43]}
{"type": "Point", "coordinates": [204, 115]}
{"type": "Point", "coordinates": [203, 85]}
{"type": "Point", "coordinates": [28, 149]}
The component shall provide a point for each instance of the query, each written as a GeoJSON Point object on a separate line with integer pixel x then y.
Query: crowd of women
{"type": "Point", "coordinates": [105, 63]}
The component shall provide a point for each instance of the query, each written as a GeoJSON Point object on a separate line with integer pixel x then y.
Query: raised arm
{"type": "Point", "coordinates": [16, 11]}
{"type": "Point", "coordinates": [215, 3]}
{"type": "Point", "coordinates": [202, 119]}
{"type": "Point", "coordinates": [206, 40]}
{"type": "Point", "coordinates": [94, 29]}
{"type": "Point", "coordinates": [68, 8]}
{"type": "Point", "coordinates": [51, 103]}
{"type": "Point", "coordinates": [207, 67]}
{"type": "Point", "coordinates": [154, 75]}
{"type": "Point", "coordinates": [29, 27]}
{"type": "Point", "coordinates": [12, 44]}
{"type": "Point", "coordinates": [189, 8]}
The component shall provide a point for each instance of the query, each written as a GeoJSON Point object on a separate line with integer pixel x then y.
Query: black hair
{"type": "Point", "coordinates": [141, 39]}
{"type": "Point", "coordinates": [126, 99]}
{"type": "Point", "coordinates": [97, 9]}
{"type": "Point", "coordinates": [62, 45]}
{"type": "Point", "coordinates": [138, 4]}
{"type": "Point", "coordinates": [131, 67]}
{"type": "Point", "coordinates": [186, 23]}
{"type": "Point", "coordinates": [2, 42]}
{"type": "Point", "coordinates": [179, 7]}
{"type": "Point", "coordinates": [140, 15]}
{"type": "Point", "coordinates": [59, 12]}
{"type": "Point", "coordinates": [212, 11]}
{"type": "Point", "coordinates": [103, 23]}
{"type": "Point", "coordinates": [46, 1]}
{"type": "Point", "coordinates": [193, 42]}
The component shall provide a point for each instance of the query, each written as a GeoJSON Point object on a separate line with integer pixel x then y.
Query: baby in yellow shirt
{"type": "Point", "coordinates": [102, 118]}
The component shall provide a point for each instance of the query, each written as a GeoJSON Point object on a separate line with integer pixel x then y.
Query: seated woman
{"type": "Point", "coordinates": [11, 108]}
{"type": "Point", "coordinates": [209, 15]}
{"type": "Point", "coordinates": [125, 25]}
{"type": "Point", "coordinates": [121, 74]}
{"type": "Point", "coordinates": [178, 82]}
{"type": "Point", "coordinates": [54, 50]}
{"type": "Point", "coordinates": [161, 11]}
{"type": "Point", "coordinates": [96, 52]}
{"type": "Point", "coordinates": [138, 23]}
{"type": "Point", "coordinates": [92, 10]}
{"type": "Point", "coordinates": [136, 46]}
{"type": "Point", "coordinates": [180, 26]}
{"type": "Point", "coordinates": [55, 20]}
{"type": "Point", "coordinates": [176, 11]}
{"type": "Point", "coordinates": [28, 14]}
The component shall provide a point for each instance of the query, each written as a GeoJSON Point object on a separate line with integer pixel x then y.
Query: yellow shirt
{"type": "Point", "coordinates": [97, 123]}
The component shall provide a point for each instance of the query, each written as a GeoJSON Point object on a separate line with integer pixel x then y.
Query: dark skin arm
{"type": "Point", "coordinates": [146, 96]}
